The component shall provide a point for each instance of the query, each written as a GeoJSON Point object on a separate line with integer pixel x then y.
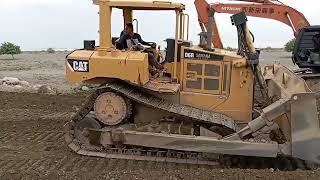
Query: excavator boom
{"type": "Point", "coordinates": [259, 8]}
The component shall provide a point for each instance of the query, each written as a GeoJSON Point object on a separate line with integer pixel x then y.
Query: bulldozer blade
{"type": "Point", "coordinates": [305, 128]}
{"type": "Point", "coordinates": [303, 115]}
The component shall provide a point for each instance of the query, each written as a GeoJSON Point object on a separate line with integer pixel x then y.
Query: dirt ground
{"type": "Point", "coordinates": [31, 133]}
{"type": "Point", "coordinates": [37, 68]}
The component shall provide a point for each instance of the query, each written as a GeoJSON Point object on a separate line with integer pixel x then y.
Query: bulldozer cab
{"type": "Point", "coordinates": [128, 7]}
{"type": "Point", "coordinates": [135, 63]}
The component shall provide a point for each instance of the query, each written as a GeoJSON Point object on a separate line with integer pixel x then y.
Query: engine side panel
{"type": "Point", "coordinates": [89, 66]}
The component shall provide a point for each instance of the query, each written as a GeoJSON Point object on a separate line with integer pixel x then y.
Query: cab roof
{"type": "Point", "coordinates": [141, 4]}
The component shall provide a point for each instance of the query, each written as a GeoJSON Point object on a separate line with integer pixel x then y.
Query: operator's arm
{"type": "Point", "coordinates": [142, 41]}
{"type": "Point", "coordinates": [153, 45]}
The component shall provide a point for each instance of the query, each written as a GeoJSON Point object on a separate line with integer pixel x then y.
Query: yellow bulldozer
{"type": "Point", "coordinates": [208, 105]}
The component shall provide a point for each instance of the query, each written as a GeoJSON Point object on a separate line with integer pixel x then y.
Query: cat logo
{"type": "Point", "coordinates": [79, 65]}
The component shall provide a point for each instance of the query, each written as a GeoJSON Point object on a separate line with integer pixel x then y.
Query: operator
{"type": "Point", "coordinates": [131, 40]}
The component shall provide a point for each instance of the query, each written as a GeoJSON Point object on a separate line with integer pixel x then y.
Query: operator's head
{"type": "Point", "coordinates": [129, 28]}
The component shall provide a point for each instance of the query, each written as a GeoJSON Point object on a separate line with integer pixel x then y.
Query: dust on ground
{"type": "Point", "coordinates": [31, 138]}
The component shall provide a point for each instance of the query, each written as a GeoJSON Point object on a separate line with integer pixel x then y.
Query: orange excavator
{"type": "Point", "coordinates": [306, 50]}
{"type": "Point", "coordinates": [259, 8]}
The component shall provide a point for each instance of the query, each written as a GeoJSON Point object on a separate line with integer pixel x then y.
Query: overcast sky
{"type": "Point", "coordinates": [40, 24]}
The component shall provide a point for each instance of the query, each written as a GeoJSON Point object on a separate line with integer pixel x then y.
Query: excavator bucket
{"type": "Point", "coordinates": [303, 117]}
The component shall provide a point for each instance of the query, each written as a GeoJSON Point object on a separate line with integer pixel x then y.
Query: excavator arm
{"type": "Point", "coordinates": [259, 8]}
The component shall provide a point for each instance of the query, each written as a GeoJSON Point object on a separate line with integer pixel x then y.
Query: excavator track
{"type": "Point", "coordinates": [164, 155]}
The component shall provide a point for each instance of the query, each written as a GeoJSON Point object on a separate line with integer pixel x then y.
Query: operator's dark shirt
{"type": "Point", "coordinates": [126, 41]}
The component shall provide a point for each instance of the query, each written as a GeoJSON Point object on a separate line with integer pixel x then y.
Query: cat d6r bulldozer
{"type": "Point", "coordinates": [209, 105]}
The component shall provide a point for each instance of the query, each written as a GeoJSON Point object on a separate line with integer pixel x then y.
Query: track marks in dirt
{"type": "Point", "coordinates": [32, 147]}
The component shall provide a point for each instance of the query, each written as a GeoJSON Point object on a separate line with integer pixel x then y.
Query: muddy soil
{"type": "Point", "coordinates": [32, 147]}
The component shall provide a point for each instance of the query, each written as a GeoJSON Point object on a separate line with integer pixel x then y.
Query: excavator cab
{"type": "Point", "coordinates": [204, 108]}
{"type": "Point", "coordinates": [306, 51]}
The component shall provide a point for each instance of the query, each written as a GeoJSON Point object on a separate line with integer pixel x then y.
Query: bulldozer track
{"type": "Point", "coordinates": [160, 155]}
{"type": "Point", "coordinates": [197, 115]}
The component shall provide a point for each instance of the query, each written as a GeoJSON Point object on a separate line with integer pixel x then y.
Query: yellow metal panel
{"type": "Point", "coordinates": [142, 4]}
{"type": "Point", "coordinates": [80, 54]}
{"type": "Point", "coordinates": [105, 26]}
{"type": "Point", "coordinates": [235, 99]}
{"type": "Point", "coordinates": [240, 99]}
{"type": "Point", "coordinates": [129, 66]}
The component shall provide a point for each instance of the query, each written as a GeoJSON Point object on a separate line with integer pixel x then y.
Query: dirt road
{"type": "Point", "coordinates": [32, 147]}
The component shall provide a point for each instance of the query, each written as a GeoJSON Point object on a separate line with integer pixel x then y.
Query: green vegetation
{"type": "Point", "coordinates": [290, 45]}
{"type": "Point", "coordinates": [9, 48]}
{"type": "Point", "coordinates": [50, 50]}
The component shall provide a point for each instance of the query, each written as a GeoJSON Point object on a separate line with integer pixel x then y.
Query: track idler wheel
{"type": "Point", "coordinates": [81, 129]}
{"type": "Point", "coordinates": [112, 109]}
